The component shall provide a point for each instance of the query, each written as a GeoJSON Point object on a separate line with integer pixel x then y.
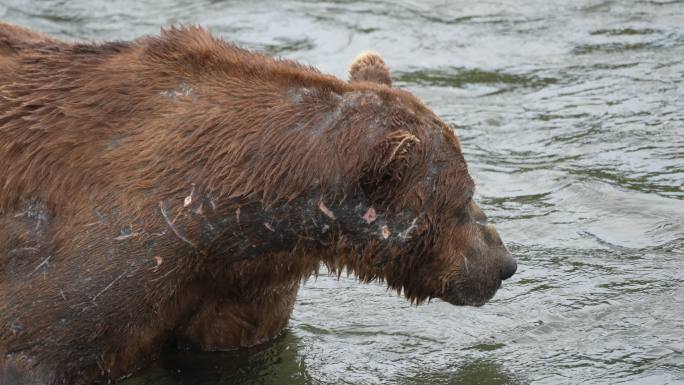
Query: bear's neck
{"type": "Point", "coordinates": [233, 231]}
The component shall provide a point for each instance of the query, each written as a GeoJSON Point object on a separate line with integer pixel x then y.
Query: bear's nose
{"type": "Point", "coordinates": [509, 267]}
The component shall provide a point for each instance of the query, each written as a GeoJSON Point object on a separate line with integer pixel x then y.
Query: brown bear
{"type": "Point", "coordinates": [180, 187]}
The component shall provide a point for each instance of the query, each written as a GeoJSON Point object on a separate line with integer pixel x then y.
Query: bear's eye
{"type": "Point", "coordinates": [462, 214]}
{"type": "Point", "coordinates": [468, 201]}
{"type": "Point", "coordinates": [480, 217]}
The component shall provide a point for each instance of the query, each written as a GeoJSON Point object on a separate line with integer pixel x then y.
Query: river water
{"type": "Point", "coordinates": [571, 117]}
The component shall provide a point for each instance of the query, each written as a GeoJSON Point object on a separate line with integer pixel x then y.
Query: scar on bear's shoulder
{"type": "Point", "coordinates": [370, 67]}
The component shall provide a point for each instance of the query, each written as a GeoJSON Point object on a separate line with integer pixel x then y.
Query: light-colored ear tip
{"type": "Point", "coordinates": [369, 66]}
{"type": "Point", "coordinates": [368, 57]}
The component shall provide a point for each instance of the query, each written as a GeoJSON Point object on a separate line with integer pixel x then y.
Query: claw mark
{"type": "Point", "coordinates": [22, 249]}
{"type": "Point", "coordinates": [237, 214]}
{"type": "Point", "coordinates": [108, 286]}
{"type": "Point", "coordinates": [43, 263]}
{"type": "Point", "coordinates": [188, 199]}
{"type": "Point", "coordinates": [385, 232]}
{"type": "Point", "coordinates": [123, 237]}
{"type": "Point", "coordinates": [405, 234]}
{"type": "Point", "coordinates": [158, 261]}
{"type": "Point", "coordinates": [370, 215]}
{"type": "Point", "coordinates": [165, 274]}
{"type": "Point", "coordinates": [173, 228]}
{"type": "Point", "coordinates": [326, 210]}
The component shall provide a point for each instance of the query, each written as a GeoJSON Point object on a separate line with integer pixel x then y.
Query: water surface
{"type": "Point", "coordinates": [571, 116]}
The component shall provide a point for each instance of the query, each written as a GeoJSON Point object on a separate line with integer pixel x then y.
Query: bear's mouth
{"type": "Point", "coordinates": [464, 294]}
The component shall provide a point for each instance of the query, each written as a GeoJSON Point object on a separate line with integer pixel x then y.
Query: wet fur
{"type": "Point", "coordinates": [179, 186]}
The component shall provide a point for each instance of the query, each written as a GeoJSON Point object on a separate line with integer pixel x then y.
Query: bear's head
{"type": "Point", "coordinates": [414, 223]}
{"type": "Point", "coordinates": [362, 176]}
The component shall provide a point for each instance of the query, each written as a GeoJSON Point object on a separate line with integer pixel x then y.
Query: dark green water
{"type": "Point", "coordinates": [571, 115]}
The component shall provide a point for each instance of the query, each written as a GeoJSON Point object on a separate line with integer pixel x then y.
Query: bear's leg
{"type": "Point", "coordinates": [227, 323]}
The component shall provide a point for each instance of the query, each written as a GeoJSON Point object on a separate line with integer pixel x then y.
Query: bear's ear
{"type": "Point", "coordinates": [370, 67]}
{"type": "Point", "coordinates": [389, 173]}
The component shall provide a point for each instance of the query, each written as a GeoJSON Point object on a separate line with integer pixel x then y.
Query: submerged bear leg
{"type": "Point", "coordinates": [227, 324]}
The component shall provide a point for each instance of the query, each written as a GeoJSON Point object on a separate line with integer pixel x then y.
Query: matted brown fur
{"type": "Point", "coordinates": [181, 187]}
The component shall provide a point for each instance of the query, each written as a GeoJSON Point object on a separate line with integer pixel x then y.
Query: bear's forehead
{"type": "Point", "coordinates": [382, 108]}
{"type": "Point", "coordinates": [376, 97]}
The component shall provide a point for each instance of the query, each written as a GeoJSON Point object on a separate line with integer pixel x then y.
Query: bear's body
{"type": "Point", "coordinates": [181, 187]}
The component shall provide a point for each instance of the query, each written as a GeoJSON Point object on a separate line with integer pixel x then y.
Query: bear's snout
{"type": "Point", "coordinates": [509, 266]}
{"type": "Point", "coordinates": [508, 263]}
